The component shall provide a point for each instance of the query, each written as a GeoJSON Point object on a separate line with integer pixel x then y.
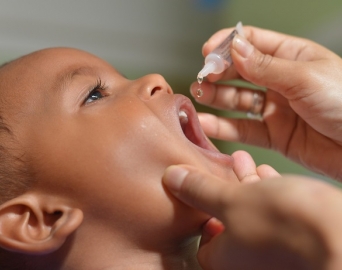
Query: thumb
{"type": "Point", "coordinates": [266, 70]}
{"type": "Point", "coordinates": [200, 190]}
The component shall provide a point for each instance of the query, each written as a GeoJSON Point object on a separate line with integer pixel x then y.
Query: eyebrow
{"type": "Point", "coordinates": [66, 76]}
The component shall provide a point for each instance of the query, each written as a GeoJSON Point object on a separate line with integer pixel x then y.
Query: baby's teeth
{"type": "Point", "coordinates": [183, 117]}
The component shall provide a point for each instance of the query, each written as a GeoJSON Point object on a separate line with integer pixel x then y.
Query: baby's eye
{"type": "Point", "coordinates": [95, 94]}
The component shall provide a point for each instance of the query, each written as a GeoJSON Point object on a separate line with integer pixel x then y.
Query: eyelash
{"type": "Point", "coordinates": [99, 87]}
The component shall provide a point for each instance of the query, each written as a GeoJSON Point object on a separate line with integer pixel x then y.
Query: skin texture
{"type": "Point", "coordinates": [288, 222]}
{"type": "Point", "coordinates": [98, 154]}
{"type": "Point", "coordinates": [302, 111]}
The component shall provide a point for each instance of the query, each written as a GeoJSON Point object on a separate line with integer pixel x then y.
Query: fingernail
{"type": "Point", "coordinates": [242, 46]}
{"type": "Point", "coordinates": [193, 88]}
{"type": "Point", "coordinates": [174, 177]}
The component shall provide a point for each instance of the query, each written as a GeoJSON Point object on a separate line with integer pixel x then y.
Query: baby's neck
{"type": "Point", "coordinates": [184, 258]}
{"type": "Point", "coordinates": [175, 258]}
{"type": "Point", "coordinates": [181, 257]}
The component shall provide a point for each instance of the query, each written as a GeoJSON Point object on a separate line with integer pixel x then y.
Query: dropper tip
{"type": "Point", "coordinates": [200, 78]}
{"type": "Point", "coordinates": [208, 68]}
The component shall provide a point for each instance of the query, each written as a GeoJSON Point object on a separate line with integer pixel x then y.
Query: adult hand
{"type": "Point", "coordinates": [302, 108]}
{"type": "Point", "coordinates": [282, 223]}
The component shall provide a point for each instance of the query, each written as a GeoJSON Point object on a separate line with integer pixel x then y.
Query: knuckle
{"type": "Point", "coordinates": [250, 178]}
{"type": "Point", "coordinates": [261, 63]}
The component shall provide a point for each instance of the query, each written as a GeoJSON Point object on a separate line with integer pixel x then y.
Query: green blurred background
{"type": "Point", "coordinates": [158, 36]}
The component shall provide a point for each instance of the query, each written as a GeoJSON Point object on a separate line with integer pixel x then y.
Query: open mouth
{"type": "Point", "coordinates": [193, 132]}
{"type": "Point", "coordinates": [188, 129]}
{"type": "Point", "coordinates": [191, 127]}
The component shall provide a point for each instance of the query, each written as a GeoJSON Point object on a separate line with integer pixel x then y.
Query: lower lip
{"type": "Point", "coordinates": [217, 156]}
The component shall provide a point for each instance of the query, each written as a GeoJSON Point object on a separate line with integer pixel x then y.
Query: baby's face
{"type": "Point", "coordinates": [104, 141]}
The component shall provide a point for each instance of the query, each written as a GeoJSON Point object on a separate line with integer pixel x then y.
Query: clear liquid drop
{"type": "Point", "coordinates": [199, 78]}
{"type": "Point", "coordinates": [199, 92]}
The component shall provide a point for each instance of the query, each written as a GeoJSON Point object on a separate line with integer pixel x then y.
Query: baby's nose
{"type": "Point", "coordinates": [153, 84]}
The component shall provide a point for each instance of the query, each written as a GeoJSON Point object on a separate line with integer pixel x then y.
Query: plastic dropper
{"type": "Point", "coordinates": [219, 59]}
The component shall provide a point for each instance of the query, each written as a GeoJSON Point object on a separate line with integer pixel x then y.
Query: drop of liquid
{"type": "Point", "coordinates": [199, 92]}
{"type": "Point", "coordinates": [199, 78]}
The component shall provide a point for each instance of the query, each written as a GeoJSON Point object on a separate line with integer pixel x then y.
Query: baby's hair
{"type": "Point", "coordinates": [15, 179]}
{"type": "Point", "coordinates": [14, 175]}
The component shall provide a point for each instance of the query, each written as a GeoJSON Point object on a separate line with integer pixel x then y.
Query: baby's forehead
{"type": "Point", "coordinates": [29, 77]}
{"type": "Point", "coordinates": [46, 64]}
{"type": "Point", "coordinates": [51, 57]}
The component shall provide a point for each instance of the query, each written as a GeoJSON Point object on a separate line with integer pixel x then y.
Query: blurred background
{"type": "Point", "coordinates": [159, 36]}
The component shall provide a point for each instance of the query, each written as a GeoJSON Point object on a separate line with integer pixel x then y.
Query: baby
{"type": "Point", "coordinates": [83, 151]}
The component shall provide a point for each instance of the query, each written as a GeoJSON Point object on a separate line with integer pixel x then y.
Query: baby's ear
{"type": "Point", "coordinates": [36, 223]}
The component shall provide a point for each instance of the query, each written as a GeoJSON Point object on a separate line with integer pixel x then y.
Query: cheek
{"type": "Point", "coordinates": [126, 189]}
